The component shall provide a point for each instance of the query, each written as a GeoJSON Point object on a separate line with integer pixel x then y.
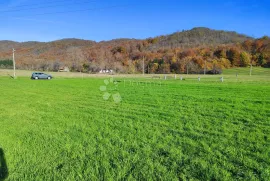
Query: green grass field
{"type": "Point", "coordinates": [63, 129]}
{"type": "Point", "coordinates": [246, 71]}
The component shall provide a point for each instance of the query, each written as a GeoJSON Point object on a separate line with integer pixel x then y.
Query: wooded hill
{"type": "Point", "coordinates": [179, 52]}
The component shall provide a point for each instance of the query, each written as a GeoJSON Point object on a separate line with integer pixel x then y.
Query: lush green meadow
{"type": "Point", "coordinates": [63, 129]}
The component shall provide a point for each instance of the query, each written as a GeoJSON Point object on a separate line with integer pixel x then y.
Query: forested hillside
{"type": "Point", "coordinates": [181, 52]}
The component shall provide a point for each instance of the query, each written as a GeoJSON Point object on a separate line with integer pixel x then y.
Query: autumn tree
{"type": "Point", "coordinates": [224, 63]}
{"type": "Point", "coordinates": [244, 59]}
{"type": "Point", "coordinates": [261, 59]}
{"type": "Point", "coordinates": [234, 56]}
{"type": "Point", "coordinates": [220, 53]}
{"type": "Point", "coordinates": [119, 49]}
{"type": "Point", "coordinates": [165, 54]}
{"type": "Point", "coordinates": [75, 55]}
{"type": "Point", "coordinates": [247, 45]}
{"type": "Point", "coordinates": [153, 67]}
{"type": "Point", "coordinates": [56, 65]}
{"type": "Point", "coordinates": [164, 68]}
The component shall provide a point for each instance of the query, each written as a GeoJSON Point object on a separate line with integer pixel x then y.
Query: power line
{"type": "Point", "coordinates": [73, 11]}
{"type": "Point", "coordinates": [43, 7]}
{"type": "Point", "coordinates": [50, 2]}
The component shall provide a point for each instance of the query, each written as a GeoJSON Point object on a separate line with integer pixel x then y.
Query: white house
{"type": "Point", "coordinates": [63, 69]}
{"type": "Point", "coordinates": [105, 71]}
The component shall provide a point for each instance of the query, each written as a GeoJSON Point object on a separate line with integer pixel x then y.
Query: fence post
{"type": "Point", "coordinates": [221, 79]}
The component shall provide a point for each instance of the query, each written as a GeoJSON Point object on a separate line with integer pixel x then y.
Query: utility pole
{"type": "Point", "coordinates": [143, 65]}
{"type": "Point", "coordinates": [250, 71]}
{"type": "Point", "coordinates": [14, 66]}
{"type": "Point", "coordinates": [204, 67]}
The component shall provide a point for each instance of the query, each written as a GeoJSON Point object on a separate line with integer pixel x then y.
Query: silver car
{"type": "Point", "coordinates": [39, 75]}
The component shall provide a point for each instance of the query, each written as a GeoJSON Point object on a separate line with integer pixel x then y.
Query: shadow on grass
{"type": "Point", "coordinates": [3, 166]}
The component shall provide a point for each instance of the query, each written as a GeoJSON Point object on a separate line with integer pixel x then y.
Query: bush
{"type": "Point", "coordinates": [6, 63]}
{"type": "Point", "coordinates": [215, 71]}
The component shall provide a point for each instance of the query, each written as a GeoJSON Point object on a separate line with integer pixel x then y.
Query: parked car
{"type": "Point", "coordinates": [39, 75]}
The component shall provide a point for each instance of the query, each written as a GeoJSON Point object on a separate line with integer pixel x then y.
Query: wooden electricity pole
{"type": "Point", "coordinates": [143, 65]}
{"type": "Point", "coordinates": [250, 71]}
{"type": "Point", "coordinates": [204, 67]}
{"type": "Point", "coordinates": [14, 66]}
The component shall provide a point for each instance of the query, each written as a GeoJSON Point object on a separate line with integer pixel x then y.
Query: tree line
{"type": "Point", "coordinates": [7, 64]}
{"type": "Point", "coordinates": [131, 59]}
{"type": "Point", "coordinates": [193, 51]}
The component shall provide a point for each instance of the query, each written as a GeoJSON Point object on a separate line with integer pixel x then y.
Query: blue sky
{"type": "Point", "coordinates": [32, 20]}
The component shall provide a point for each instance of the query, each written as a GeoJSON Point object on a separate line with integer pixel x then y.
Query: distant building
{"type": "Point", "coordinates": [63, 69]}
{"type": "Point", "coordinates": [105, 71]}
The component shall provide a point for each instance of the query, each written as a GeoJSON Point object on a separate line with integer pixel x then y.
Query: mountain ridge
{"type": "Point", "coordinates": [124, 53]}
{"type": "Point", "coordinates": [68, 39]}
